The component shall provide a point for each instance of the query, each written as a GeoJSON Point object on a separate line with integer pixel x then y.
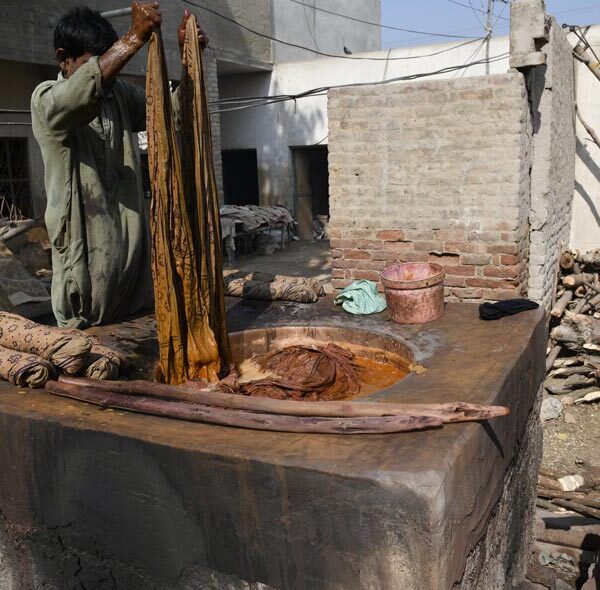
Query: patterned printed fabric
{"type": "Point", "coordinates": [24, 370]}
{"type": "Point", "coordinates": [103, 362]}
{"type": "Point", "coordinates": [186, 242]}
{"type": "Point", "coordinates": [64, 350]}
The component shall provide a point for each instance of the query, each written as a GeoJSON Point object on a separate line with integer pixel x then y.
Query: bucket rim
{"type": "Point", "coordinates": [438, 277]}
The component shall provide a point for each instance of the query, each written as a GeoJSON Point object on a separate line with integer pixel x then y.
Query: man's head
{"type": "Point", "coordinates": [79, 35]}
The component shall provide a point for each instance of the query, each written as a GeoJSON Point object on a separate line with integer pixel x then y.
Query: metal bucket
{"type": "Point", "coordinates": [414, 291]}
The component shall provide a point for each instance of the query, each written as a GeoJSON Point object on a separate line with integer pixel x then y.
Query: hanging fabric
{"type": "Point", "coordinates": [186, 245]}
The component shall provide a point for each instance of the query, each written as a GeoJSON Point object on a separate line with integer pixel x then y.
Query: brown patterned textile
{"type": "Point", "coordinates": [186, 245]}
{"type": "Point", "coordinates": [103, 362]}
{"type": "Point", "coordinates": [63, 349]}
{"type": "Point", "coordinates": [268, 287]}
{"type": "Point", "coordinates": [23, 369]}
{"type": "Point", "coordinates": [300, 373]}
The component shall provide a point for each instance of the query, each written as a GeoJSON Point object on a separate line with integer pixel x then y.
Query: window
{"type": "Point", "coordinates": [15, 193]}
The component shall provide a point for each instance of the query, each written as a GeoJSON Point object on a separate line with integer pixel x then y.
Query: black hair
{"type": "Point", "coordinates": [83, 30]}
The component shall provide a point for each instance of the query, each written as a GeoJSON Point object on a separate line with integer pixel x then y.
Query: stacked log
{"type": "Point", "coordinates": [573, 355]}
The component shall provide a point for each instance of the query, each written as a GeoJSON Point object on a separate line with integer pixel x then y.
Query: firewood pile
{"type": "Point", "coordinates": [573, 360]}
{"type": "Point", "coordinates": [568, 498]}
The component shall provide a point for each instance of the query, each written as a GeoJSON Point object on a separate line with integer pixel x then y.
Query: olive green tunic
{"type": "Point", "coordinates": [95, 212]}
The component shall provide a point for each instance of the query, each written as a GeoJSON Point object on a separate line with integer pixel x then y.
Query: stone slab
{"type": "Point", "coordinates": [145, 500]}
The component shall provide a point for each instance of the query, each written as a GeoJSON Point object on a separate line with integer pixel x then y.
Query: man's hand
{"type": "Point", "coordinates": [202, 37]}
{"type": "Point", "coordinates": [145, 19]}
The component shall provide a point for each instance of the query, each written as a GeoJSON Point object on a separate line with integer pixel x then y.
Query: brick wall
{"type": "Point", "coordinates": [553, 170]}
{"type": "Point", "coordinates": [433, 171]}
{"type": "Point", "coordinates": [212, 86]}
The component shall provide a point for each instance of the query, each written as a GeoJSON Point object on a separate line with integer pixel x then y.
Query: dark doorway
{"type": "Point", "coordinates": [311, 180]}
{"type": "Point", "coordinates": [240, 177]}
{"type": "Point", "coordinates": [15, 193]}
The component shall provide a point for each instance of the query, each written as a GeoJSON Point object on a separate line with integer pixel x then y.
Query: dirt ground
{"type": "Point", "coordinates": [306, 258]}
{"type": "Point", "coordinates": [572, 441]}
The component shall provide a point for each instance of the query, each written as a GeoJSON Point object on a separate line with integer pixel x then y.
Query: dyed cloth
{"type": "Point", "coordinates": [186, 243]}
{"type": "Point", "coordinates": [361, 298]}
{"type": "Point", "coordinates": [103, 362]}
{"type": "Point", "coordinates": [23, 369]}
{"type": "Point", "coordinates": [269, 291]}
{"type": "Point", "coordinates": [300, 373]}
{"type": "Point", "coordinates": [252, 217]}
{"type": "Point", "coordinates": [65, 350]}
{"type": "Point", "coordinates": [95, 214]}
{"type": "Point", "coordinates": [265, 277]}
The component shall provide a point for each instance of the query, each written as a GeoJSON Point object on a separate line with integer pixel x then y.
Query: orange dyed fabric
{"type": "Point", "coordinates": [186, 244]}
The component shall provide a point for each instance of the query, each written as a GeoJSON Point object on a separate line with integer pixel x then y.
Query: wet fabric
{"type": "Point", "coordinates": [495, 311]}
{"type": "Point", "coordinates": [301, 373]}
{"type": "Point", "coordinates": [95, 215]}
{"type": "Point", "coordinates": [23, 369]}
{"type": "Point", "coordinates": [361, 298]}
{"type": "Point", "coordinates": [186, 243]}
{"type": "Point", "coordinates": [65, 350]}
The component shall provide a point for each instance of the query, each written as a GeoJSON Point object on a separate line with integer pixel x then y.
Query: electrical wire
{"type": "Point", "coordinates": [390, 27]}
{"type": "Point", "coordinates": [254, 102]}
{"type": "Point", "coordinates": [297, 46]}
{"type": "Point", "coordinates": [472, 7]}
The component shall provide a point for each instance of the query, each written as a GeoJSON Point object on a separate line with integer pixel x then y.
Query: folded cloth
{"type": "Point", "coordinates": [495, 311]}
{"type": "Point", "coordinates": [63, 349]}
{"type": "Point", "coordinates": [361, 298]}
{"type": "Point", "coordinates": [23, 369]}
{"type": "Point", "coordinates": [103, 362]}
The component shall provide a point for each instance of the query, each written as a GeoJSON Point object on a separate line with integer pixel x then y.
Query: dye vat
{"type": "Point", "coordinates": [103, 499]}
{"type": "Point", "coordinates": [380, 361]}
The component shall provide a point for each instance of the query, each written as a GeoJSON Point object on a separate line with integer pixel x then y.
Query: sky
{"type": "Point", "coordinates": [444, 16]}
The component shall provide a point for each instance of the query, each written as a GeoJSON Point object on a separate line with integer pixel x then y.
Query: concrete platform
{"type": "Point", "coordinates": [99, 499]}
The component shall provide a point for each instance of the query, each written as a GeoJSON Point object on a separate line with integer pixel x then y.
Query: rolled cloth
{"type": "Point", "coordinates": [103, 362]}
{"type": "Point", "coordinates": [62, 348]}
{"type": "Point", "coordinates": [265, 286]}
{"type": "Point", "coordinates": [23, 369]}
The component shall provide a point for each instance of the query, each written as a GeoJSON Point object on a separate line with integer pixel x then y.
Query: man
{"type": "Point", "coordinates": [85, 123]}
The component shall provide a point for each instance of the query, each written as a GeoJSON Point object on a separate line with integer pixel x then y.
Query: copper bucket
{"type": "Point", "coordinates": [414, 291]}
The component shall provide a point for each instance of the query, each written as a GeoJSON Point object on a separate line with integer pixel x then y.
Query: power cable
{"type": "Point", "coordinates": [366, 22]}
{"type": "Point", "coordinates": [253, 102]}
{"type": "Point", "coordinates": [476, 9]}
{"type": "Point", "coordinates": [297, 46]}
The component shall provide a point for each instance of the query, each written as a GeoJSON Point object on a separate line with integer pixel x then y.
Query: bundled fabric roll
{"type": "Point", "coordinates": [104, 362]}
{"type": "Point", "coordinates": [66, 351]}
{"type": "Point", "coordinates": [23, 369]}
{"type": "Point", "coordinates": [268, 287]}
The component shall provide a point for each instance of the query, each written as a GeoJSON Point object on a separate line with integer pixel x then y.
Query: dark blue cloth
{"type": "Point", "coordinates": [495, 311]}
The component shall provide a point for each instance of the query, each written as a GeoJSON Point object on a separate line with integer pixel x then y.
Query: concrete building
{"type": "Point", "coordinates": [27, 58]}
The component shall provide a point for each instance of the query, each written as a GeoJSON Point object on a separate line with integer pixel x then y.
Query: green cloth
{"type": "Point", "coordinates": [95, 213]}
{"type": "Point", "coordinates": [361, 298]}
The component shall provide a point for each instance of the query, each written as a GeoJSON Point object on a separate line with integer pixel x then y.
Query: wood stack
{"type": "Point", "coordinates": [578, 493]}
{"type": "Point", "coordinates": [573, 360]}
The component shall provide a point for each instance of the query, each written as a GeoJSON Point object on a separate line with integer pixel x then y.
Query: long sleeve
{"type": "Point", "coordinates": [70, 103]}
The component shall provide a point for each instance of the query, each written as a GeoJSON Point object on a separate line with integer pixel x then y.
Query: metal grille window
{"type": "Point", "coordinates": [15, 193]}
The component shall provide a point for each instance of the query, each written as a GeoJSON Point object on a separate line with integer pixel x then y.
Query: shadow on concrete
{"type": "Point", "coordinates": [584, 155]}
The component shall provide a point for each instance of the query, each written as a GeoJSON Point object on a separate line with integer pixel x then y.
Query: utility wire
{"type": "Point", "coordinates": [297, 46]}
{"type": "Point", "coordinates": [476, 9]}
{"type": "Point", "coordinates": [253, 102]}
{"type": "Point", "coordinates": [390, 27]}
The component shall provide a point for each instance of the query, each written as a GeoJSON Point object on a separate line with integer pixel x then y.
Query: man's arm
{"type": "Point", "coordinates": [145, 19]}
{"type": "Point", "coordinates": [77, 100]}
